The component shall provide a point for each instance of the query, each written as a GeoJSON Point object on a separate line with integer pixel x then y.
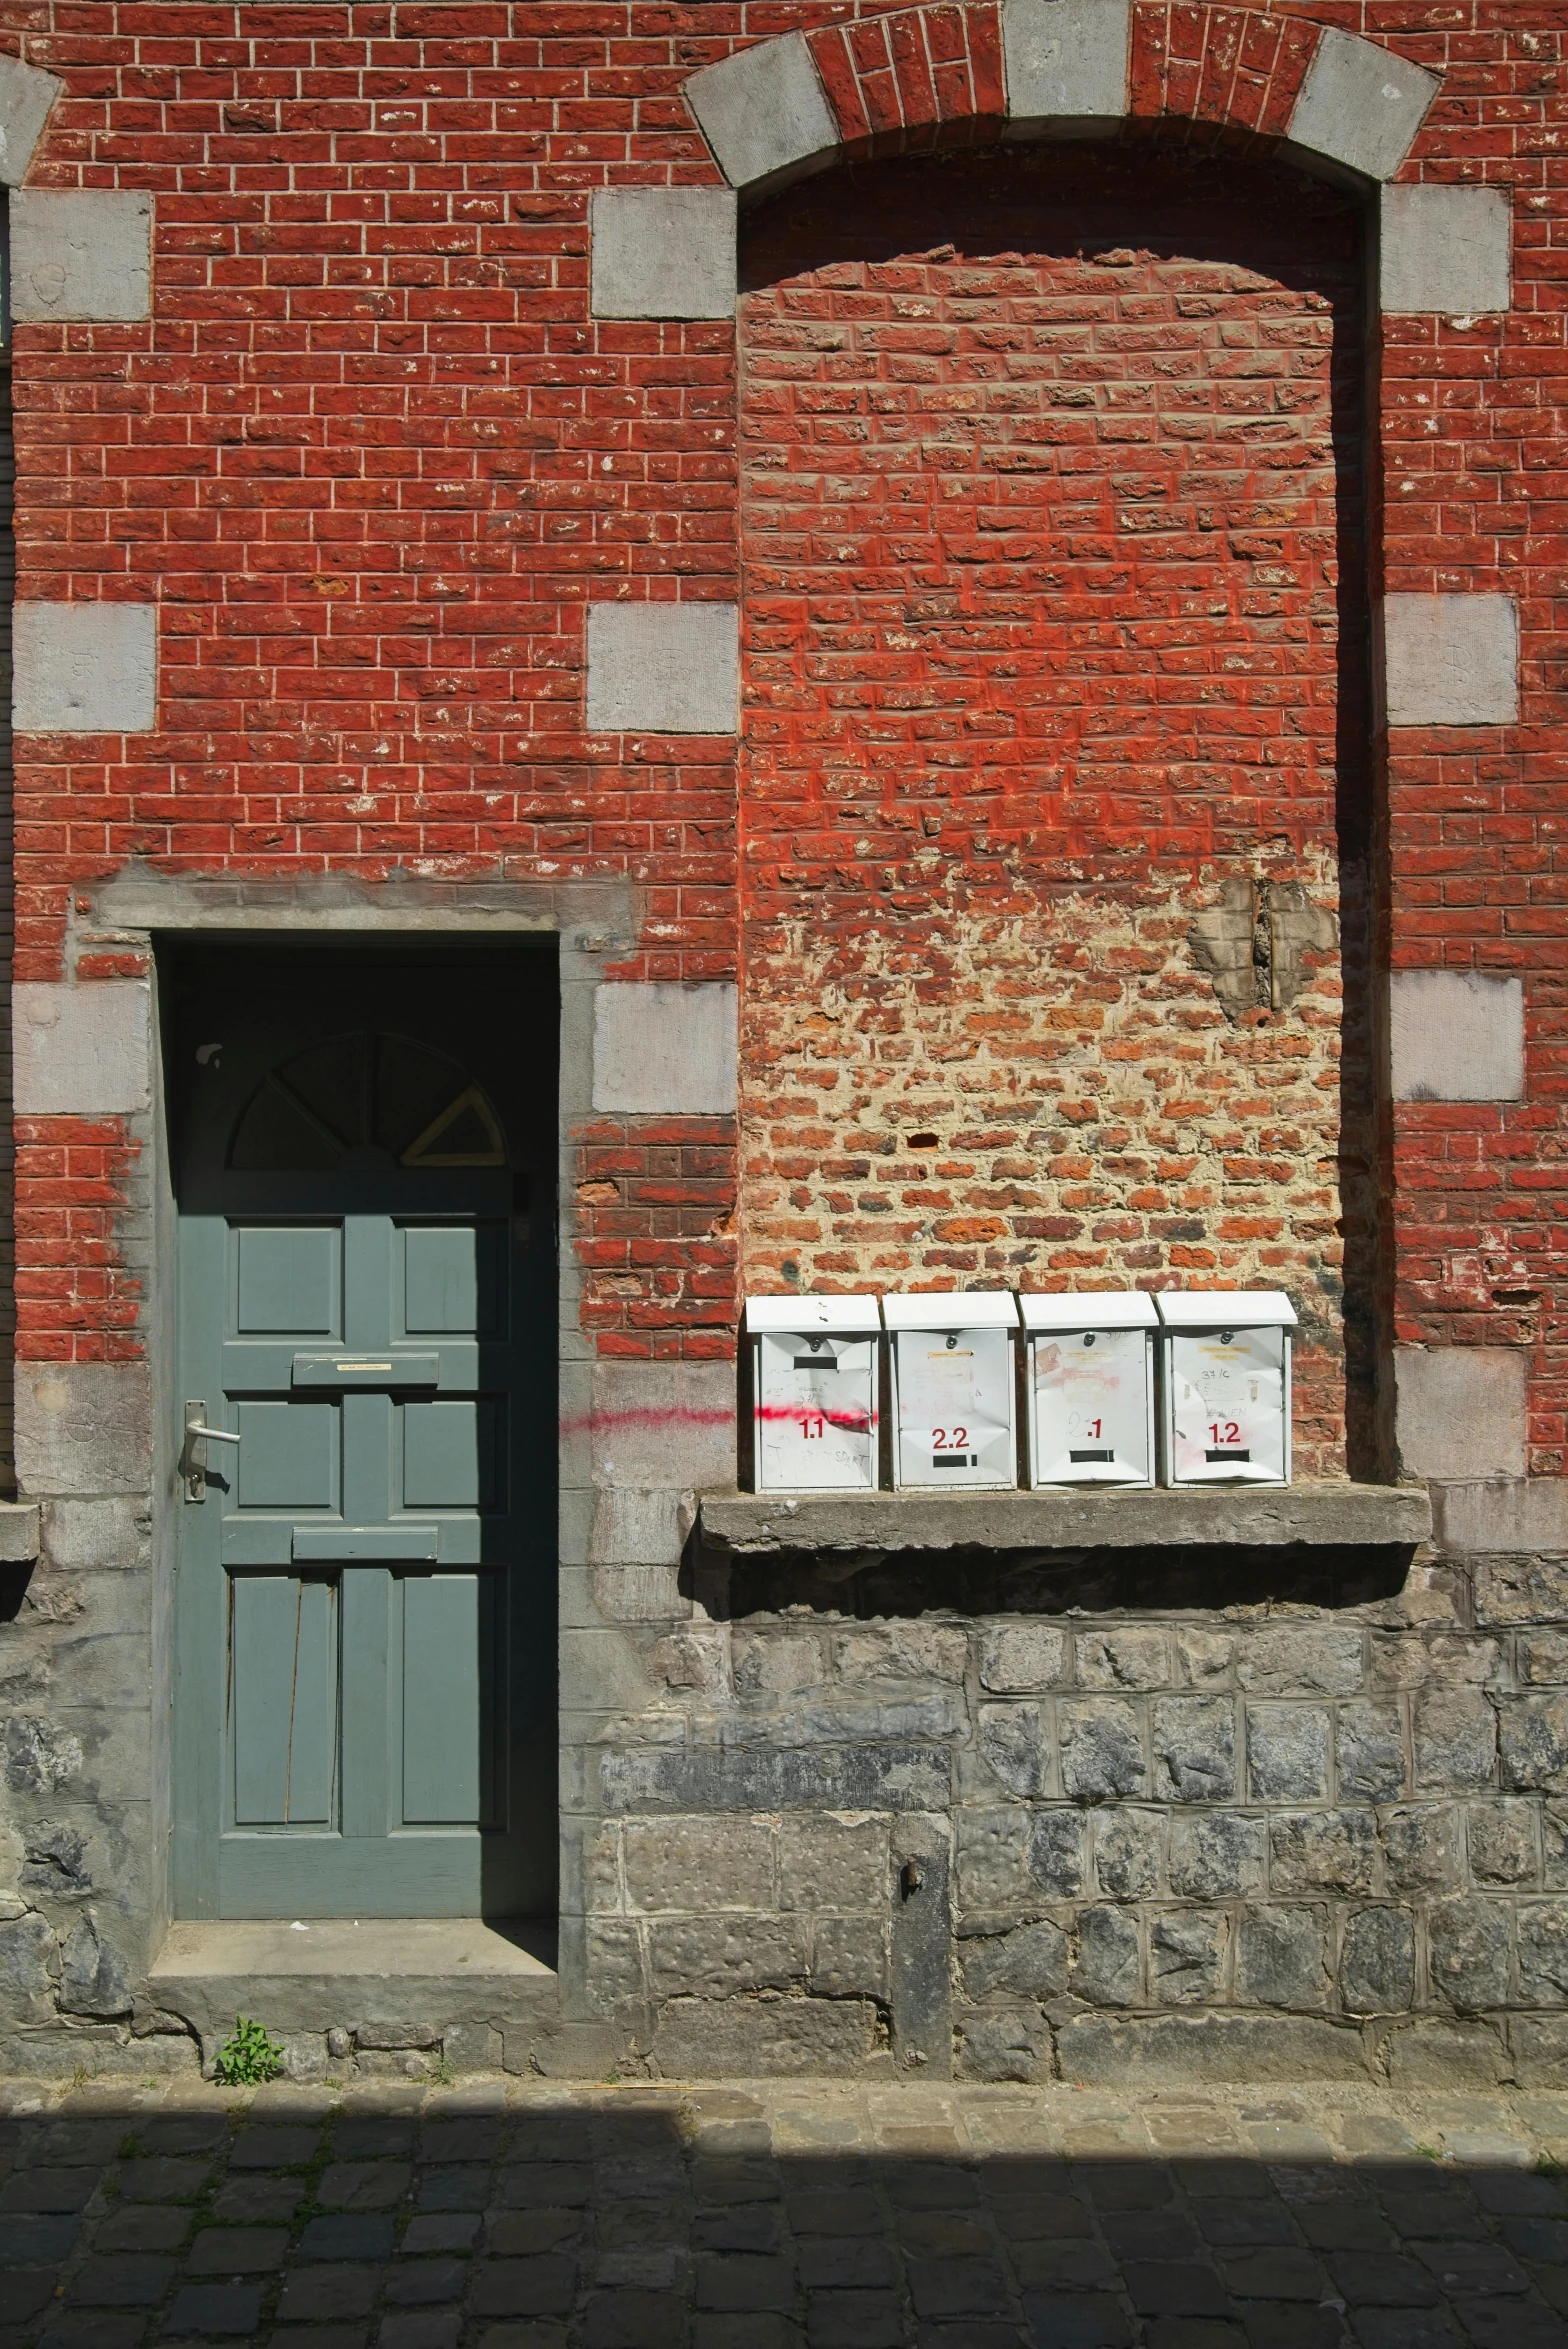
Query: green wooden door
{"type": "Point", "coordinates": [364, 1690]}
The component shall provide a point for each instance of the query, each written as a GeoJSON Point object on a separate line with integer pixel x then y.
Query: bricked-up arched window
{"type": "Point", "coordinates": [361, 1092]}
{"type": "Point", "coordinates": [1055, 783]}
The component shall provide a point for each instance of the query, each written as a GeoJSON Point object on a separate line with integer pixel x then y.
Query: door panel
{"type": "Point", "coordinates": [365, 1612]}
{"type": "Point", "coordinates": [283, 1682]}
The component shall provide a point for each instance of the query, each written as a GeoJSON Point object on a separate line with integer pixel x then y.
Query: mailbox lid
{"type": "Point", "coordinates": [1090, 1309]}
{"type": "Point", "coordinates": [851, 1316]}
{"type": "Point", "coordinates": [1226, 1309]}
{"type": "Point", "coordinates": [947, 1309]}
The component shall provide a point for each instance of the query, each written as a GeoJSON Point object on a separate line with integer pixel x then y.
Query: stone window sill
{"type": "Point", "coordinates": [1338, 1516]}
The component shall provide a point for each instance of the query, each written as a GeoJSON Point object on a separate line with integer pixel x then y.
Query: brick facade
{"type": "Point", "coordinates": [1062, 862]}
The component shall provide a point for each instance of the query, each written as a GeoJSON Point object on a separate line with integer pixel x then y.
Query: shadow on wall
{"type": "Point", "coordinates": [715, 2218]}
{"type": "Point", "coordinates": [975, 1582]}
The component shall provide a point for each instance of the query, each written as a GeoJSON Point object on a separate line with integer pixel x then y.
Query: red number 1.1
{"type": "Point", "coordinates": [812, 1427]}
{"type": "Point", "coordinates": [1224, 1432]}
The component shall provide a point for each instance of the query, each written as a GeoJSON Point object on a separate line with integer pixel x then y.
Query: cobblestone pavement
{"type": "Point", "coordinates": [543, 2217]}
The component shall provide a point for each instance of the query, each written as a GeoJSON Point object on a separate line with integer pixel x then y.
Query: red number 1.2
{"type": "Point", "coordinates": [1224, 1432]}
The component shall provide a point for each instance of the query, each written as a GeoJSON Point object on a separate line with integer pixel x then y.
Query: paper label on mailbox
{"type": "Point", "coordinates": [1228, 1407]}
{"type": "Point", "coordinates": [1091, 1407]}
{"type": "Point", "coordinates": [816, 1414]}
{"type": "Point", "coordinates": [955, 1407]}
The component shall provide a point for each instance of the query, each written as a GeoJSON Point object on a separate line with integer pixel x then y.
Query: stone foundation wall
{"type": "Point", "coordinates": [1318, 1829]}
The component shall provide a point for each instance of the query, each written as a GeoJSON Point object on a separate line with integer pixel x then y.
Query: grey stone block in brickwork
{"type": "Point", "coordinates": [663, 668]}
{"type": "Point", "coordinates": [1543, 1952]}
{"type": "Point", "coordinates": [1127, 1846]}
{"type": "Point", "coordinates": [1520, 1516]}
{"type": "Point", "coordinates": [1216, 1854]}
{"type": "Point", "coordinates": [1451, 660]}
{"type": "Point", "coordinates": [83, 1427]}
{"type": "Point", "coordinates": [1455, 1741]}
{"type": "Point", "coordinates": [1054, 1854]}
{"type": "Point", "coordinates": [703, 1863]}
{"type": "Point", "coordinates": [80, 1051]}
{"type": "Point", "coordinates": [1533, 1738]}
{"type": "Point", "coordinates": [661, 1425]}
{"type": "Point", "coordinates": [1012, 1746]}
{"type": "Point", "coordinates": [29, 1959]}
{"type": "Point", "coordinates": [891, 1777]}
{"type": "Point", "coordinates": [84, 668]}
{"type": "Point", "coordinates": [765, 114]}
{"type": "Point", "coordinates": [1012, 2045]}
{"type": "Point", "coordinates": [662, 1050]}
{"type": "Point", "coordinates": [80, 253]}
{"type": "Point", "coordinates": [1371, 1751]}
{"type": "Point", "coordinates": [1377, 1966]}
{"type": "Point", "coordinates": [1029, 1962]}
{"type": "Point", "coordinates": [1421, 1847]}
{"type": "Point", "coordinates": [1323, 1851]}
{"type": "Point", "coordinates": [1170, 2050]}
{"type": "Point", "coordinates": [1296, 1659]}
{"type": "Point", "coordinates": [1361, 105]}
{"type": "Point", "coordinates": [1122, 1658]}
{"type": "Point", "coordinates": [1447, 250]}
{"type": "Point", "coordinates": [663, 252]}
{"type": "Point", "coordinates": [1460, 1411]}
{"type": "Point", "coordinates": [1502, 1839]}
{"type": "Point", "coordinates": [94, 1977]}
{"type": "Point", "coordinates": [1456, 1036]}
{"type": "Point", "coordinates": [26, 95]}
{"type": "Point", "coordinates": [1066, 61]}
{"type": "Point", "coordinates": [1017, 1659]}
{"type": "Point", "coordinates": [764, 2038]}
{"type": "Point", "coordinates": [19, 1532]}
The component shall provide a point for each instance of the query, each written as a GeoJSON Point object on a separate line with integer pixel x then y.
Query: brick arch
{"type": "Point", "coordinates": [957, 72]}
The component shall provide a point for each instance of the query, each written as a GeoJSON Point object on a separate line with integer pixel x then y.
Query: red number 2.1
{"type": "Point", "coordinates": [1224, 1432]}
{"type": "Point", "coordinates": [941, 1441]}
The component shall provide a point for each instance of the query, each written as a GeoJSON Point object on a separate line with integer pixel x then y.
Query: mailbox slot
{"type": "Point", "coordinates": [1090, 1388]}
{"type": "Point", "coordinates": [954, 1390]}
{"type": "Point", "coordinates": [1227, 1386]}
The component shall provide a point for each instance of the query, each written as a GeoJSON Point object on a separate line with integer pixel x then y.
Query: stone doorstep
{"type": "Point", "coordinates": [19, 1541]}
{"type": "Point", "coordinates": [1248, 1517]}
{"type": "Point", "coordinates": [334, 1974]}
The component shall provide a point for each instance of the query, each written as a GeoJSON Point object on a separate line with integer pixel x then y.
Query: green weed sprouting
{"type": "Point", "coordinates": [247, 2057]}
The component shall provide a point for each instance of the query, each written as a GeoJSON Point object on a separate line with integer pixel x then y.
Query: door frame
{"type": "Point", "coordinates": [592, 923]}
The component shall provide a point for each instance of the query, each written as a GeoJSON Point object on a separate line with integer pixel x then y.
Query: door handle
{"type": "Point", "coordinates": [193, 1458]}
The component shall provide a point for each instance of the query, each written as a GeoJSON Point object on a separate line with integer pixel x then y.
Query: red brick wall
{"type": "Point", "coordinates": [1055, 622]}
{"type": "Point", "coordinates": [372, 456]}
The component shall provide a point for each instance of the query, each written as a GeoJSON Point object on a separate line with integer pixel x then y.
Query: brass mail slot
{"type": "Point", "coordinates": [366, 1370]}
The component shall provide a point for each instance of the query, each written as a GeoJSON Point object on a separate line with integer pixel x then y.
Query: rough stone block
{"type": "Point", "coordinates": [1446, 249]}
{"type": "Point", "coordinates": [1287, 1752]}
{"type": "Point", "coordinates": [98, 1534]}
{"type": "Point", "coordinates": [1169, 2050]}
{"type": "Point", "coordinates": [83, 1427]}
{"type": "Point", "coordinates": [1361, 105]}
{"type": "Point", "coordinates": [1469, 1953]}
{"type": "Point", "coordinates": [1102, 1751]}
{"type": "Point", "coordinates": [1421, 1847]}
{"type": "Point", "coordinates": [1371, 1751]}
{"type": "Point", "coordinates": [1451, 660]}
{"type": "Point", "coordinates": [80, 1051]}
{"type": "Point", "coordinates": [19, 1532]}
{"type": "Point", "coordinates": [663, 252]}
{"type": "Point", "coordinates": [1066, 61]}
{"type": "Point", "coordinates": [1322, 1851]}
{"type": "Point", "coordinates": [1195, 1749]}
{"type": "Point", "coordinates": [1122, 1658]}
{"type": "Point", "coordinates": [833, 1864]}
{"type": "Point", "coordinates": [765, 114]}
{"type": "Point", "coordinates": [26, 95]}
{"type": "Point", "coordinates": [1511, 1590]}
{"type": "Point", "coordinates": [663, 1050]}
{"type": "Point", "coordinates": [1280, 1957]}
{"type": "Point", "coordinates": [1215, 1854]}
{"type": "Point", "coordinates": [1447, 2056]}
{"type": "Point", "coordinates": [1055, 1853]}
{"type": "Point", "coordinates": [1292, 1659]}
{"type": "Point", "coordinates": [1018, 1659]}
{"type": "Point", "coordinates": [849, 1958]}
{"type": "Point", "coordinates": [1525, 1515]}
{"type": "Point", "coordinates": [774, 1663]}
{"type": "Point", "coordinates": [1460, 1411]}
{"type": "Point", "coordinates": [1011, 1739]}
{"type": "Point", "coordinates": [1107, 1967]}
{"type": "Point", "coordinates": [726, 1956]}
{"type": "Point", "coordinates": [891, 1777]}
{"type": "Point", "coordinates": [1187, 1950]}
{"type": "Point", "coordinates": [1540, 2045]}
{"type": "Point", "coordinates": [80, 253]}
{"type": "Point", "coordinates": [1455, 1740]}
{"type": "Point", "coordinates": [1029, 1962]}
{"type": "Point", "coordinates": [662, 1425]}
{"type": "Point", "coordinates": [1013, 2045]}
{"type": "Point", "coordinates": [1502, 1837]}
{"type": "Point", "coordinates": [84, 668]}
{"type": "Point", "coordinates": [1533, 1738]}
{"type": "Point", "coordinates": [764, 2038]}
{"type": "Point", "coordinates": [1127, 1847]}
{"type": "Point", "coordinates": [902, 1651]}
{"type": "Point", "coordinates": [1456, 1036]}
{"type": "Point", "coordinates": [1377, 1966]}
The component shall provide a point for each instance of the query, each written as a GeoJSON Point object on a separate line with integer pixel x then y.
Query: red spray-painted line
{"type": "Point", "coordinates": [797, 1414]}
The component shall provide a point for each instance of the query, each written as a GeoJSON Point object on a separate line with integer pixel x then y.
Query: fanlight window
{"type": "Point", "coordinates": [358, 1092]}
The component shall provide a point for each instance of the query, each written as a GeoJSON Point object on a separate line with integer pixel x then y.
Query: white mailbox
{"type": "Point", "coordinates": [1090, 1384]}
{"type": "Point", "coordinates": [1227, 1386]}
{"type": "Point", "coordinates": [814, 1393]}
{"type": "Point", "coordinates": [953, 1389]}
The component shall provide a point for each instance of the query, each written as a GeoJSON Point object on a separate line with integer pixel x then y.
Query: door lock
{"type": "Point", "coordinates": [193, 1459]}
